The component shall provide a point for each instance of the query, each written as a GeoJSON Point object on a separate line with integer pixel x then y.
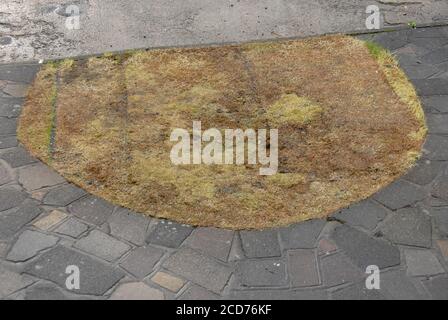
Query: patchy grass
{"type": "Point", "coordinates": [349, 123]}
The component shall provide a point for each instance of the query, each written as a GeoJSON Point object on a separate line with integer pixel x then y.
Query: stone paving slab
{"type": "Point", "coordinates": [142, 261]}
{"type": "Point", "coordinates": [29, 244]}
{"type": "Point", "coordinates": [129, 226]}
{"type": "Point", "coordinates": [12, 282]}
{"type": "Point", "coordinates": [13, 220]}
{"type": "Point", "coordinates": [62, 196]}
{"type": "Point", "coordinates": [102, 245]}
{"type": "Point", "coordinates": [91, 209]}
{"type": "Point", "coordinates": [212, 241]}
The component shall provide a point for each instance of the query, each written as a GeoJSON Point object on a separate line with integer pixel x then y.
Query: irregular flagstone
{"type": "Point", "coordinates": [102, 245]}
{"type": "Point", "coordinates": [279, 294]}
{"type": "Point", "coordinates": [364, 250]}
{"type": "Point", "coordinates": [7, 126]}
{"type": "Point", "coordinates": [198, 293]}
{"type": "Point", "coordinates": [11, 282]}
{"type": "Point", "coordinates": [337, 269]}
{"type": "Point", "coordinates": [438, 56]}
{"type": "Point", "coordinates": [440, 216]}
{"type": "Point", "coordinates": [168, 281]}
{"type": "Point", "coordinates": [303, 268]}
{"type": "Point", "coordinates": [199, 268]}
{"type": "Point", "coordinates": [17, 90]}
{"type": "Point", "coordinates": [357, 292]}
{"type": "Point", "coordinates": [72, 228]}
{"type": "Point", "coordinates": [10, 198]}
{"type": "Point", "coordinates": [91, 209]}
{"type": "Point", "coordinates": [326, 246]}
{"type": "Point", "coordinates": [136, 291]}
{"type": "Point", "coordinates": [440, 103]}
{"type": "Point", "coordinates": [409, 226]}
{"type": "Point", "coordinates": [17, 157]}
{"type": "Point", "coordinates": [8, 142]}
{"type": "Point", "coordinates": [435, 148]}
{"type": "Point", "coordinates": [421, 71]}
{"type": "Point", "coordinates": [18, 72]}
{"type": "Point", "coordinates": [425, 172]}
{"type": "Point", "coordinates": [50, 220]}
{"type": "Point", "coordinates": [169, 234]}
{"type": "Point", "coordinates": [5, 176]}
{"type": "Point", "coordinates": [438, 287]}
{"type": "Point", "coordinates": [260, 244]}
{"type": "Point", "coordinates": [63, 195]}
{"type": "Point", "coordinates": [400, 194]}
{"type": "Point", "coordinates": [39, 176]}
{"type": "Point", "coordinates": [13, 220]}
{"type": "Point", "coordinates": [301, 235]}
{"type": "Point", "coordinates": [10, 108]}
{"type": "Point", "coordinates": [129, 226]}
{"type": "Point", "coordinates": [366, 214]}
{"type": "Point", "coordinates": [95, 277]}
{"type": "Point", "coordinates": [437, 123]}
{"type": "Point", "coordinates": [443, 246]}
{"type": "Point", "coordinates": [431, 87]}
{"type": "Point", "coordinates": [440, 187]}
{"type": "Point", "coordinates": [29, 244]}
{"type": "Point", "coordinates": [399, 287]}
{"type": "Point", "coordinates": [44, 292]}
{"type": "Point", "coordinates": [212, 241]}
{"type": "Point", "coordinates": [142, 261]}
{"type": "Point", "coordinates": [422, 263]}
{"type": "Point", "coordinates": [262, 273]}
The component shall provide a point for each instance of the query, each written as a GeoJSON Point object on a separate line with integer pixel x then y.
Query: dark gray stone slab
{"type": "Point", "coordinates": [440, 187]}
{"type": "Point", "coordinates": [197, 293]}
{"type": "Point", "coordinates": [10, 107]}
{"type": "Point", "coordinates": [438, 287]}
{"type": "Point", "coordinates": [425, 172]}
{"type": "Point", "coordinates": [96, 277]}
{"type": "Point", "coordinates": [438, 56]}
{"type": "Point", "coordinates": [302, 268]}
{"type": "Point", "coordinates": [13, 220]}
{"type": "Point", "coordinates": [72, 228]}
{"type": "Point", "coordinates": [431, 87]}
{"type": "Point", "coordinates": [7, 126]}
{"type": "Point", "coordinates": [10, 198]}
{"type": "Point", "coordinates": [364, 250]}
{"type": "Point", "coordinates": [142, 261]}
{"type": "Point", "coordinates": [19, 72]}
{"type": "Point", "coordinates": [45, 292]}
{"type": "Point", "coordinates": [409, 226]}
{"type": "Point", "coordinates": [440, 217]}
{"type": "Point", "coordinates": [398, 286]}
{"type": "Point", "coordinates": [357, 292]}
{"type": "Point", "coordinates": [422, 71]}
{"type": "Point", "coordinates": [437, 123]}
{"type": "Point", "coordinates": [12, 282]}
{"type": "Point", "coordinates": [5, 176]}
{"type": "Point", "coordinates": [129, 226]}
{"type": "Point", "coordinates": [301, 235]}
{"type": "Point", "coordinates": [400, 194]}
{"type": "Point", "coordinates": [17, 157]}
{"type": "Point", "coordinates": [29, 244]}
{"type": "Point", "coordinates": [8, 142]}
{"type": "Point", "coordinates": [337, 269]}
{"type": "Point", "coordinates": [422, 263]}
{"type": "Point", "coordinates": [366, 214]}
{"type": "Point", "coordinates": [260, 244]}
{"type": "Point", "coordinates": [169, 234]}
{"type": "Point", "coordinates": [102, 245]}
{"type": "Point", "coordinates": [63, 195]}
{"type": "Point", "coordinates": [279, 294]}
{"type": "Point", "coordinates": [430, 44]}
{"type": "Point", "coordinates": [39, 176]}
{"type": "Point", "coordinates": [212, 241]}
{"type": "Point", "coordinates": [262, 273]}
{"type": "Point", "coordinates": [199, 268]}
{"type": "Point", "coordinates": [440, 103]}
{"type": "Point", "coordinates": [392, 42]}
{"type": "Point", "coordinates": [435, 148]}
{"type": "Point", "coordinates": [91, 209]}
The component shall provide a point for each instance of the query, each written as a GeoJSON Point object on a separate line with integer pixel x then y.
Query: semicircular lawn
{"type": "Point", "coordinates": [348, 120]}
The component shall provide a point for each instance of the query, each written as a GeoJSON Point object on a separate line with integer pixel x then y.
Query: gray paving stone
{"type": "Point", "coordinates": [96, 277]}
{"type": "Point", "coordinates": [129, 226]}
{"type": "Point", "coordinates": [422, 71]}
{"type": "Point", "coordinates": [212, 241]}
{"type": "Point", "coordinates": [10, 198]}
{"type": "Point", "coordinates": [302, 268]}
{"type": "Point", "coordinates": [438, 56]}
{"type": "Point", "coordinates": [440, 103]}
{"type": "Point", "coordinates": [425, 172]}
{"type": "Point", "coordinates": [366, 214]}
{"type": "Point", "coordinates": [12, 282]}
{"type": "Point", "coordinates": [17, 157]}
{"type": "Point", "coordinates": [437, 123]}
{"type": "Point", "coordinates": [136, 291]}
{"type": "Point", "coordinates": [279, 294]}
{"type": "Point", "coordinates": [399, 287]}
{"type": "Point", "coordinates": [29, 244]}
{"type": "Point", "coordinates": [440, 217]}
{"type": "Point", "coordinates": [364, 250]}
{"type": "Point", "coordinates": [102, 245]}
{"type": "Point", "coordinates": [440, 187]}
{"type": "Point", "coordinates": [19, 73]}
{"type": "Point", "coordinates": [400, 194]}
{"type": "Point", "coordinates": [5, 176]}
{"type": "Point", "coordinates": [435, 148]}
{"type": "Point", "coordinates": [72, 228]}
{"type": "Point", "coordinates": [301, 235]}
{"type": "Point", "coordinates": [44, 292]}
{"type": "Point", "coordinates": [169, 234]}
{"type": "Point", "coordinates": [142, 261]}
{"type": "Point", "coordinates": [438, 287]}
{"type": "Point", "coordinates": [39, 176]}
{"type": "Point", "coordinates": [199, 268]}
{"type": "Point", "coordinates": [8, 142]}
{"type": "Point", "coordinates": [392, 42]}
{"type": "Point", "coordinates": [262, 273]}
{"type": "Point", "coordinates": [357, 292]}
{"type": "Point", "coordinates": [7, 126]}
{"type": "Point", "coordinates": [260, 244]}
{"type": "Point", "coordinates": [337, 269]}
{"type": "Point", "coordinates": [197, 293]}
{"type": "Point", "coordinates": [431, 87]}
{"type": "Point", "coordinates": [430, 44]}
{"type": "Point", "coordinates": [422, 263]}
{"type": "Point", "coordinates": [10, 107]}
{"type": "Point", "coordinates": [409, 226]}
{"type": "Point", "coordinates": [13, 220]}
{"type": "Point", "coordinates": [63, 195]}
{"type": "Point", "coordinates": [91, 209]}
{"type": "Point", "coordinates": [17, 90]}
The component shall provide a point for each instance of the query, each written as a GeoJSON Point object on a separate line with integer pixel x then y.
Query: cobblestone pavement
{"type": "Point", "coordinates": [36, 29]}
{"type": "Point", "coordinates": [47, 224]}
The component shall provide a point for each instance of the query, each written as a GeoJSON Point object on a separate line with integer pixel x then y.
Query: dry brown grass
{"type": "Point", "coordinates": [349, 124]}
